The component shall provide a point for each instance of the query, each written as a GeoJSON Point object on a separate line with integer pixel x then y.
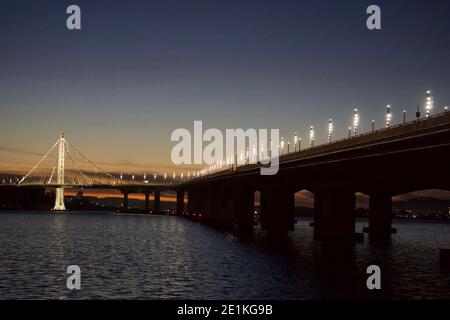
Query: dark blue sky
{"type": "Point", "coordinates": [139, 69]}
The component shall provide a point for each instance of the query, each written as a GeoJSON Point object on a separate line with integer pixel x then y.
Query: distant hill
{"type": "Point", "coordinates": [422, 205]}
{"type": "Point", "coordinates": [132, 203]}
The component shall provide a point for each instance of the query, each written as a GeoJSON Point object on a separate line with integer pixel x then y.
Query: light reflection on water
{"type": "Point", "coordinates": [158, 257]}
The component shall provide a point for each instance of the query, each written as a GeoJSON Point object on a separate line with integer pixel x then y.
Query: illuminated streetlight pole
{"type": "Point", "coordinates": [373, 125]}
{"type": "Point", "coordinates": [282, 145]}
{"type": "Point", "coordinates": [355, 120]}
{"type": "Point", "coordinates": [388, 116]}
{"type": "Point", "coordinates": [311, 136]}
{"type": "Point", "coordinates": [299, 144]}
{"type": "Point", "coordinates": [404, 116]}
{"type": "Point", "coordinates": [295, 141]}
{"type": "Point", "coordinates": [349, 132]}
{"type": "Point", "coordinates": [429, 103]}
{"type": "Point", "coordinates": [330, 129]}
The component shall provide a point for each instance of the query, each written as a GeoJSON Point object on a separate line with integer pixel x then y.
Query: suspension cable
{"type": "Point", "coordinates": [75, 164]}
{"type": "Point", "coordinates": [92, 163]}
{"type": "Point", "coordinates": [37, 164]}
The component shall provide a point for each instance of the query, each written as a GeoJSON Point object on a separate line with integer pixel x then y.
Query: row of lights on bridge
{"type": "Point", "coordinates": [297, 142]}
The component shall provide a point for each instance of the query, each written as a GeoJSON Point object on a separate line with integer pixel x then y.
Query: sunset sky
{"type": "Point", "coordinates": [140, 69]}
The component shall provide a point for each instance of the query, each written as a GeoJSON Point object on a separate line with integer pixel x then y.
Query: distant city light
{"type": "Point", "coordinates": [311, 136]}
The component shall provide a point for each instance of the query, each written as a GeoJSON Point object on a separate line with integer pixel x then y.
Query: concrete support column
{"type": "Point", "coordinates": [191, 201]}
{"type": "Point", "coordinates": [277, 210]}
{"type": "Point", "coordinates": [242, 203]}
{"type": "Point", "coordinates": [334, 215]}
{"type": "Point", "coordinates": [318, 216]}
{"type": "Point", "coordinates": [380, 217]}
{"type": "Point", "coordinates": [180, 201]}
{"type": "Point", "coordinates": [147, 201]}
{"type": "Point", "coordinates": [157, 202]}
{"type": "Point", "coordinates": [125, 200]}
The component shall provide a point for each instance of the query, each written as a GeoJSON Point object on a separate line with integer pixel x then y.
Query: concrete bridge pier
{"type": "Point", "coordinates": [380, 217]}
{"type": "Point", "coordinates": [334, 215]}
{"type": "Point", "coordinates": [242, 206]}
{"type": "Point", "coordinates": [125, 200]}
{"type": "Point", "coordinates": [194, 201]}
{"type": "Point", "coordinates": [277, 210]}
{"type": "Point", "coordinates": [147, 201]}
{"type": "Point", "coordinates": [191, 201]}
{"type": "Point", "coordinates": [157, 202]}
{"type": "Point", "coordinates": [180, 202]}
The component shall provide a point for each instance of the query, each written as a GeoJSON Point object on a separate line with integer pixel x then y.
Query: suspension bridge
{"type": "Point", "coordinates": [72, 169]}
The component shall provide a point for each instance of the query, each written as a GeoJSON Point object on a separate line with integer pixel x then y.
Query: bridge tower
{"type": "Point", "coordinates": [59, 201]}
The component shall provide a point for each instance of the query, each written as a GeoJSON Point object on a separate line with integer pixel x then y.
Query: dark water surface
{"type": "Point", "coordinates": [160, 257]}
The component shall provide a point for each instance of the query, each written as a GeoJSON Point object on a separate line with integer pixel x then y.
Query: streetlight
{"type": "Point", "coordinates": [355, 120]}
{"type": "Point", "coordinates": [295, 141]}
{"type": "Point", "coordinates": [282, 145]}
{"type": "Point", "coordinates": [373, 125]}
{"type": "Point", "coordinates": [429, 103]}
{"type": "Point", "coordinates": [299, 144]}
{"type": "Point", "coordinates": [349, 132]}
{"type": "Point", "coordinates": [404, 116]}
{"type": "Point", "coordinates": [288, 146]}
{"type": "Point", "coordinates": [330, 129]}
{"type": "Point", "coordinates": [388, 115]}
{"type": "Point", "coordinates": [446, 108]}
{"type": "Point", "coordinates": [311, 136]}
